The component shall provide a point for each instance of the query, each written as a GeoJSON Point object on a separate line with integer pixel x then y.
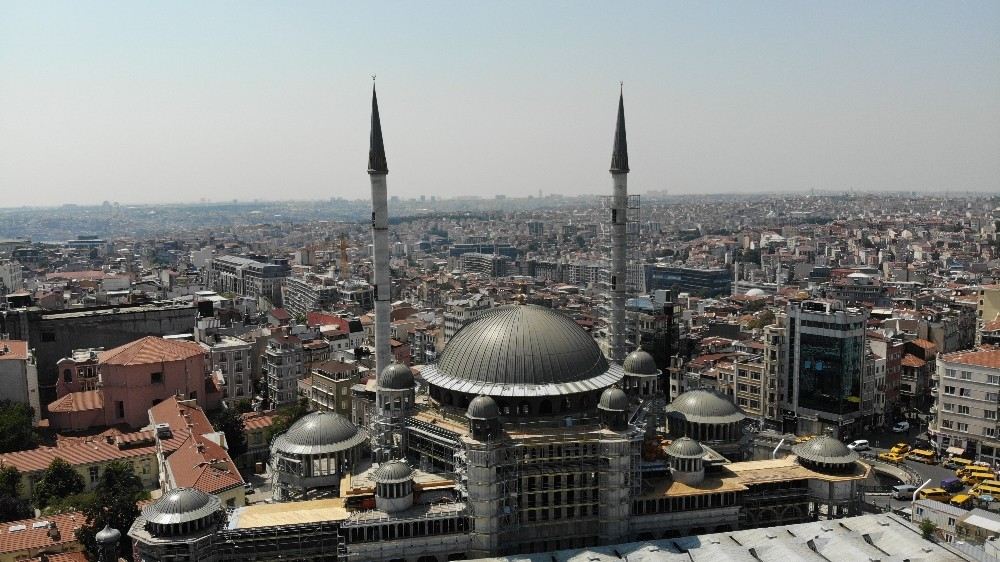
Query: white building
{"type": "Point", "coordinates": [460, 312]}
{"type": "Point", "coordinates": [11, 278]}
{"type": "Point", "coordinates": [283, 366]}
{"type": "Point", "coordinates": [966, 403]}
{"type": "Point", "coordinates": [19, 375]}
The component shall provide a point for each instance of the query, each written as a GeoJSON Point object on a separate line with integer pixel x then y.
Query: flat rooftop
{"type": "Point", "coordinates": [788, 468]}
{"type": "Point", "coordinates": [288, 513]}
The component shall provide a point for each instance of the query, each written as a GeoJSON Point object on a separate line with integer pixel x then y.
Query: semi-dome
{"type": "Point", "coordinates": [181, 505]}
{"type": "Point", "coordinates": [522, 350]}
{"type": "Point", "coordinates": [396, 377]}
{"type": "Point", "coordinates": [705, 406]}
{"type": "Point", "coordinates": [392, 472]}
{"type": "Point", "coordinates": [320, 432]}
{"type": "Point", "coordinates": [685, 447]}
{"type": "Point", "coordinates": [614, 400]}
{"type": "Point", "coordinates": [640, 362]}
{"type": "Point", "coordinates": [826, 450]}
{"type": "Point", "coordinates": [482, 408]}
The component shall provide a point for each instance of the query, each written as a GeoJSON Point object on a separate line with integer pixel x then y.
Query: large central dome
{"type": "Point", "coordinates": [522, 350]}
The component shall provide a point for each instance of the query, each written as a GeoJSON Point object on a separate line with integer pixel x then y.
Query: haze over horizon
{"type": "Point", "coordinates": [174, 102]}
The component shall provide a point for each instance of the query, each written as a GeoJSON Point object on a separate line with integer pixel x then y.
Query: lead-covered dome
{"type": "Point", "coordinates": [320, 432]}
{"type": "Point", "coordinates": [181, 505]}
{"type": "Point", "coordinates": [522, 350]}
{"type": "Point", "coordinates": [482, 408]}
{"type": "Point", "coordinates": [393, 472]}
{"type": "Point", "coordinates": [640, 362]}
{"type": "Point", "coordinates": [685, 447]}
{"type": "Point", "coordinates": [705, 406]}
{"type": "Point", "coordinates": [825, 450]}
{"type": "Point", "coordinates": [613, 400]}
{"type": "Point", "coordinates": [396, 377]}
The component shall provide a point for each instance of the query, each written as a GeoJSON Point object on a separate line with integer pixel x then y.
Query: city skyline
{"type": "Point", "coordinates": [177, 103]}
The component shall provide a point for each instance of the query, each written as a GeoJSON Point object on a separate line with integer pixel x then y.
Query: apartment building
{"type": "Point", "coordinates": [460, 312]}
{"type": "Point", "coordinates": [283, 366]}
{"type": "Point", "coordinates": [249, 277]}
{"type": "Point", "coordinates": [967, 402]}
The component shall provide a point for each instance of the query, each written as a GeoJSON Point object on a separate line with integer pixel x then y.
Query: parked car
{"type": "Point", "coordinates": [901, 427]}
{"type": "Point", "coordinates": [900, 449]}
{"type": "Point", "coordinates": [894, 458]}
{"type": "Point", "coordinates": [925, 456]}
{"type": "Point", "coordinates": [952, 484]}
{"type": "Point", "coordinates": [859, 445]}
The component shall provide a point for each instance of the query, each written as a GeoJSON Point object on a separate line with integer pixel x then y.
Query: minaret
{"type": "Point", "coordinates": [619, 223]}
{"type": "Point", "coordinates": [377, 171]}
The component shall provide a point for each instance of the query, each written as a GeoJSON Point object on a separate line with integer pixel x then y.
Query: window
{"type": "Point", "coordinates": [962, 426]}
{"type": "Point", "coordinates": [989, 414]}
{"type": "Point", "coordinates": [963, 410]}
{"type": "Point", "coordinates": [993, 379]}
{"type": "Point", "coordinates": [966, 375]}
{"type": "Point", "coordinates": [67, 375]}
{"type": "Point", "coordinates": [949, 390]}
{"type": "Point", "coordinates": [965, 392]}
{"type": "Point", "coordinates": [989, 432]}
{"type": "Point", "coordinates": [120, 407]}
{"type": "Point", "coordinates": [947, 424]}
{"type": "Point", "coordinates": [947, 406]}
{"type": "Point", "coordinates": [156, 378]}
{"type": "Point", "coordinates": [94, 473]}
{"type": "Point", "coordinates": [991, 397]}
{"type": "Point", "coordinates": [950, 373]}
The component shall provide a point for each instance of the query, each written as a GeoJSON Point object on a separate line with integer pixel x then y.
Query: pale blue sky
{"type": "Point", "coordinates": [173, 101]}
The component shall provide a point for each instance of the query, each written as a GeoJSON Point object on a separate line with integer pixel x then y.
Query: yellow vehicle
{"type": "Point", "coordinates": [965, 471]}
{"type": "Point", "coordinates": [962, 500]}
{"type": "Point", "coordinates": [922, 455]}
{"type": "Point", "coordinates": [977, 477]}
{"type": "Point", "coordinates": [892, 457]}
{"type": "Point", "coordinates": [937, 494]}
{"type": "Point", "coordinates": [991, 487]}
{"type": "Point", "coordinates": [900, 449]}
{"type": "Point", "coordinates": [958, 463]}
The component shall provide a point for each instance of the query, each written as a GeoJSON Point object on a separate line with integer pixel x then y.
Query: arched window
{"type": "Point", "coordinates": [67, 375]}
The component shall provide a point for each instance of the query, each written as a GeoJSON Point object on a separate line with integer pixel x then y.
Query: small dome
{"type": "Point", "coordinates": [824, 449]}
{"type": "Point", "coordinates": [756, 293]}
{"type": "Point", "coordinates": [396, 377]}
{"type": "Point", "coordinates": [482, 408]}
{"type": "Point", "coordinates": [320, 432]}
{"type": "Point", "coordinates": [181, 505]}
{"type": "Point", "coordinates": [108, 535]}
{"type": "Point", "coordinates": [393, 472]}
{"type": "Point", "coordinates": [640, 363]}
{"type": "Point", "coordinates": [613, 400]}
{"type": "Point", "coordinates": [685, 447]}
{"type": "Point", "coordinates": [705, 406]}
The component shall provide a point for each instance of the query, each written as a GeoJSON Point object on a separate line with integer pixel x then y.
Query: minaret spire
{"type": "Point", "coordinates": [619, 155]}
{"type": "Point", "coordinates": [619, 237]}
{"type": "Point", "coordinates": [376, 149]}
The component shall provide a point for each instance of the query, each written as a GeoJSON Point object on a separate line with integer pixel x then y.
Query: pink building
{"type": "Point", "coordinates": [131, 379]}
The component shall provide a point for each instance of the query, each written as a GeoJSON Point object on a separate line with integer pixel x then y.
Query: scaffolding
{"type": "Point", "coordinates": [616, 292]}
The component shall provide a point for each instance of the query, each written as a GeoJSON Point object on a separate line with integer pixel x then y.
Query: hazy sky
{"type": "Point", "coordinates": [142, 101]}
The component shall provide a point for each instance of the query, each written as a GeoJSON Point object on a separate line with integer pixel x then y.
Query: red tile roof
{"type": "Point", "coordinates": [77, 452]}
{"type": "Point", "coordinates": [258, 420]}
{"type": "Point", "coordinates": [910, 360]}
{"type": "Point", "coordinates": [60, 557]}
{"type": "Point", "coordinates": [13, 349]}
{"type": "Point", "coordinates": [201, 463]}
{"type": "Point", "coordinates": [79, 402]}
{"type": "Point", "coordinates": [35, 536]}
{"type": "Point", "coordinates": [925, 344]}
{"type": "Point", "coordinates": [150, 349]}
{"type": "Point", "coordinates": [983, 357]}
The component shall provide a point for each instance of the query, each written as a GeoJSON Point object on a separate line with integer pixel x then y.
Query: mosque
{"type": "Point", "coordinates": [524, 437]}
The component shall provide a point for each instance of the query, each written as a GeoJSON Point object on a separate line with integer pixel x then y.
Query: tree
{"type": "Point", "coordinates": [764, 318]}
{"type": "Point", "coordinates": [114, 504]}
{"type": "Point", "coordinates": [58, 481]}
{"type": "Point", "coordinates": [16, 427]}
{"type": "Point", "coordinates": [286, 416]}
{"type": "Point", "coordinates": [928, 528]}
{"type": "Point", "coordinates": [12, 507]}
{"type": "Point", "coordinates": [244, 406]}
{"type": "Point", "coordinates": [229, 422]}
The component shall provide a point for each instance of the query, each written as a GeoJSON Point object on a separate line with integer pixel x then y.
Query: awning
{"type": "Point", "coordinates": [955, 450]}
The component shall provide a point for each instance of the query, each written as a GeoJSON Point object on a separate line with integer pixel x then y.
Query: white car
{"type": "Point", "coordinates": [901, 427]}
{"type": "Point", "coordinates": [859, 445]}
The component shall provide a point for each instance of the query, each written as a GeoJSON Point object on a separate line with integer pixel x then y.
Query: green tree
{"type": "Point", "coordinates": [764, 318]}
{"type": "Point", "coordinates": [58, 481]}
{"type": "Point", "coordinates": [113, 504]}
{"type": "Point", "coordinates": [12, 507]}
{"type": "Point", "coordinates": [244, 407]}
{"type": "Point", "coordinates": [285, 417]}
{"type": "Point", "coordinates": [927, 529]}
{"type": "Point", "coordinates": [16, 427]}
{"type": "Point", "coordinates": [229, 422]}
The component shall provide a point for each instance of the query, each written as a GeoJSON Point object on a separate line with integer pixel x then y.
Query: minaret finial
{"type": "Point", "coordinates": [376, 149]}
{"type": "Point", "coordinates": [619, 155]}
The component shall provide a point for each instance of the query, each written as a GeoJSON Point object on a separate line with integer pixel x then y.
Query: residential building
{"type": "Point", "coordinates": [51, 538]}
{"type": "Point", "coordinates": [489, 265]}
{"type": "Point", "coordinates": [309, 293]}
{"type": "Point", "coordinates": [826, 349]}
{"type": "Point", "coordinates": [945, 517]}
{"type": "Point", "coordinates": [967, 399]}
{"type": "Point", "coordinates": [19, 375]}
{"type": "Point", "coordinates": [283, 366]}
{"type": "Point", "coordinates": [231, 358]}
{"type": "Point", "coordinates": [330, 386]}
{"type": "Point", "coordinates": [11, 277]}
{"type": "Point", "coordinates": [460, 312]}
{"type": "Point", "coordinates": [132, 378]}
{"type": "Point", "coordinates": [248, 277]}
{"type": "Point", "coordinates": [705, 282]}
